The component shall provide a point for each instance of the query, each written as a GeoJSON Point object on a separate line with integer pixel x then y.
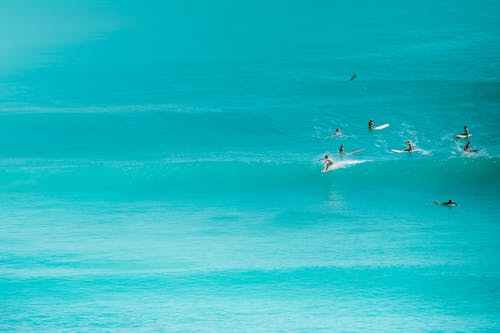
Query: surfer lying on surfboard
{"type": "Point", "coordinates": [448, 203]}
{"type": "Point", "coordinates": [337, 132]}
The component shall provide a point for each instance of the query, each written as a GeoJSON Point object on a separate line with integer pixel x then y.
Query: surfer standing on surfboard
{"type": "Point", "coordinates": [327, 161]}
{"type": "Point", "coordinates": [370, 124]}
{"type": "Point", "coordinates": [410, 146]}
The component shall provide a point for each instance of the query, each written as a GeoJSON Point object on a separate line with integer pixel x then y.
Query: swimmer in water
{"type": "Point", "coordinates": [353, 77]}
{"type": "Point", "coordinates": [341, 150]}
{"type": "Point", "coordinates": [337, 132]}
{"type": "Point", "coordinates": [370, 124]}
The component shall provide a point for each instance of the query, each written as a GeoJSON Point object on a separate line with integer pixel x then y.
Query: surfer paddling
{"type": "Point", "coordinates": [327, 162]}
{"type": "Point", "coordinates": [447, 203]}
{"type": "Point", "coordinates": [337, 132]}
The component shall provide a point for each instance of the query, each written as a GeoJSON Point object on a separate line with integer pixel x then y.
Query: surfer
{"type": "Point", "coordinates": [327, 161]}
{"type": "Point", "coordinates": [370, 124]}
{"type": "Point", "coordinates": [447, 203]}
{"type": "Point", "coordinates": [467, 146]}
{"type": "Point", "coordinates": [337, 132]}
{"type": "Point", "coordinates": [353, 77]}
{"type": "Point", "coordinates": [410, 146]}
{"type": "Point", "coordinates": [466, 131]}
{"type": "Point", "coordinates": [341, 150]}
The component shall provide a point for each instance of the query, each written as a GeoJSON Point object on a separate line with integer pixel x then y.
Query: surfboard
{"type": "Point", "coordinates": [463, 136]}
{"type": "Point", "coordinates": [380, 127]}
{"type": "Point", "coordinates": [337, 134]}
{"type": "Point", "coordinates": [470, 151]}
{"type": "Point", "coordinates": [399, 151]}
{"type": "Point", "coordinates": [355, 152]}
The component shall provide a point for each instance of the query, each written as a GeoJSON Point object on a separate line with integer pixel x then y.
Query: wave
{"type": "Point", "coordinates": [162, 108]}
{"type": "Point", "coordinates": [210, 176]}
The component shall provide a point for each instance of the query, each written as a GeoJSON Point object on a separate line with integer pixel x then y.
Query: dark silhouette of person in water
{"type": "Point", "coordinates": [353, 77]}
{"type": "Point", "coordinates": [370, 124]}
{"type": "Point", "coordinates": [467, 146]}
{"type": "Point", "coordinates": [466, 131]}
{"type": "Point", "coordinates": [447, 203]}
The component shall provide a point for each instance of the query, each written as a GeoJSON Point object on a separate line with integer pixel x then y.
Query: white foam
{"type": "Point", "coordinates": [346, 164]}
{"type": "Point", "coordinates": [167, 108]}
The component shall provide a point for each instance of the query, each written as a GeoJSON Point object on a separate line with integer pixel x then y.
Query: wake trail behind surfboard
{"type": "Point", "coordinates": [344, 164]}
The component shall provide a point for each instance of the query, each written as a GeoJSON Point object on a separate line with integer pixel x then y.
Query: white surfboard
{"type": "Point", "coordinates": [356, 151]}
{"type": "Point", "coordinates": [380, 127]}
{"type": "Point", "coordinates": [463, 136]}
{"type": "Point", "coordinates": [337, 134]}
{"type": "Point", "coordinates": [470, 151]}
{"type": "Point", "coordinates": [399, 151]}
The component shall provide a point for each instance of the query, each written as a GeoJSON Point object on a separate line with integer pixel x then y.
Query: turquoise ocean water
{"type": "Point", "coordinates": [159, 166]}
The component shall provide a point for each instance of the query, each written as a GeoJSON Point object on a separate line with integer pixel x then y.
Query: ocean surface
{"type": "Point", "coordinates": [159, 166]}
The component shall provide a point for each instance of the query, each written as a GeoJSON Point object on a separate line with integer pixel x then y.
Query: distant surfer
{"type": "Point", "coordinates": [341, 150]}
{"type": "Point", "coordinates": [327, 162]}
{"type": "Point", "coordinates": [467, 146]}
{"type": "Point", "coordinates": [410, 146]}
{"type": "Point", "coordinates": [337, 132]}
{"type": "Point", "coordinates": [353, 77]}
{"type": "Point", "coordinates": [370, 124]}
{"type": "Point", "coordinates": [447, 203]}
{"type": "Point", "coordinates": [466, 131]}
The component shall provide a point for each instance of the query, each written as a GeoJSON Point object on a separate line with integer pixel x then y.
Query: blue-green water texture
{"type": "Point", "coordinates": [160, 166]}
